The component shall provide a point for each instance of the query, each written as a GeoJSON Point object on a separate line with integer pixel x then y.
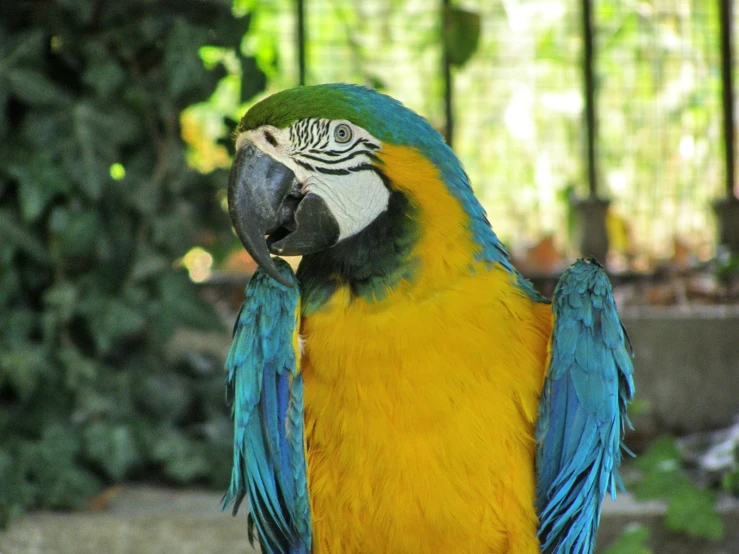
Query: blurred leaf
{"type": "Point", "coordinates": [184, 68]}
{"type": "Point", "coordinates": [730, 482]}
{"type": "Point", "coordinates": [24, 367]}
{"type": "Point", "coordinates": [182, 460]}
{"type": "Point", "coordinates": [182, 300]}
{"type": "Point", "coordinates": [14, 489]}
{"type": "Point", "coordinates": [19, 47]}
{"type": "Point", "coordinates": [61, 297]}
{"type": "Point", "coordinates": [148, 263]}
{"type": "Point", "coordinates": [51, 462]}
{"type": "Point", "coordinates": [115, 322]}
{"type": "Point", "coordinates": [165, 396]}
{"type": "Point", "coordinates": [82, 11]}
{"type": "Point", "coordinates": [462, 35]}
{"type": "Point", "coordinates": [39, 181]}
{"type": "Point", "coordinates": [21, 236]}
{"type": "Point", "coordinates": [689, 508]}
{"type": "Point", "coordinates": [34, 88]}
{"type": "Point", "coordinates": [80, 236]}
{"type": "Point", "coordinates": [632, 541]}
{"type": "Point", "coordinates": [105, 77]}
{"type": "Point", "coordinates": [18, 327]}
{"type": "Point", "coordinates": [92, 172]}
{"type": "Point", "coordinates": [78, 368]}
{"type": "Point", "coordinates": [113, 447]}
{"type": "Point", "coordinates": [253, 81]}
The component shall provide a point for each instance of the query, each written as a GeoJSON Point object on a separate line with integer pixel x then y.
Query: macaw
{"type": "Point", "coordinates": [407, 390]}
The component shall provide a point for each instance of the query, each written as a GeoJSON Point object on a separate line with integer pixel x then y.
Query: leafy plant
{"type": "Point", "coordinates": [97, 203]}
{"type": "Point", "coordinates": [632, 541]}
{"type": "Point", "coordinates": [689, 509]}
{"type": "Point", "coordinates": [726, 268]}
{"type": "Point", "coordinates": [462, 34]}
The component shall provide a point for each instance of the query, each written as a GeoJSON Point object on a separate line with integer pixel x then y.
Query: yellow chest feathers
{"type": "Point", "coordinates": [419, 419]}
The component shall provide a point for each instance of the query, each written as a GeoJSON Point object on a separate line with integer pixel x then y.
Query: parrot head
{"type": "Point", "coordinates": [344, 169]}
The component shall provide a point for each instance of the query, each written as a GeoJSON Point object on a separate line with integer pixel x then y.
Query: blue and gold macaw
{"type": "Point", "coordinates": [407, 391]}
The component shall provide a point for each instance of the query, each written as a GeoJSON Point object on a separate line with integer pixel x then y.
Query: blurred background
{"type": "Point", "coordinates": [601, 127]}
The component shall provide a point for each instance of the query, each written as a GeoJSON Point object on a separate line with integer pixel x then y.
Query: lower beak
{"type": "Point", "coordinates": [264, 198]}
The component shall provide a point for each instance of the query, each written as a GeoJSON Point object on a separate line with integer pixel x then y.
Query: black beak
{"type": "Point", "coordinates": [264, 198]}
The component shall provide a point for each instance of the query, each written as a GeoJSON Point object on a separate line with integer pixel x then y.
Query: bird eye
{"type": "Point", "coordinates": [342, 133]}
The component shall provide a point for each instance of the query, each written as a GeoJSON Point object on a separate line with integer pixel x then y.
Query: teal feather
{"type": "Point", "coordinates": [266, 392]}
{"type": "Point", "coordinates": [582, 411]}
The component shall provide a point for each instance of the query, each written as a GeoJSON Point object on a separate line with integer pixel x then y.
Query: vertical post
{"type": "Point", "coordinates": [591, 234]}
{"type": "Point", "coordinates": [725, 15]}
{"type": "Point", "coordinates": [300, 31]}
{"type": "Point", "coordinates": [590, 121]}
{"type": "Point", "coordinates": [727, 207]}
{"type": "Point", "coordinates": [447, 74]}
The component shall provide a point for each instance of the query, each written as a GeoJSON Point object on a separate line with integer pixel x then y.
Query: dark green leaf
{"type": "Point", "coordinates": [22, 237]}
{"type": "Point", "coordinates": [105, 77]}
{"type": "Point", "coordinates": [632, 541]}
{"type": "Point", "coordinates": [24, 367]}
{"type": "Point", "coordinates": [165, 395]}
{"type": "Point", "coordinates": [184, 68]}
{"type": "Point", "coordinates": [462, 34]}
{"type": "Point", "coordinates": [39, 180]}
{"type": "Point", "coordinates": [182, 460]}
{"type": "Point", "coordinates": [181, 299]}
{"type": "Point", "coordinates": [114, 321]}
{"type": "Point", "coordinates": [34, 88]}
{"type": "Point", "coordinates": [689, 508]}
{"type": "Point", "coordinates": [112, 447]}
{"type": "Point", "coordinates": [79, 238]}
{"type": "Point", "coordinates": [79, 370]}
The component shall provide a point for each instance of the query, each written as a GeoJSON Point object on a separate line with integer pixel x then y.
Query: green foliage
{"type": "Point", "coordinates": [98, 203]}
{"type": "Point", "coordinates": [462, 35]}
{"type": "Point", "coordinates": [632, 541]}
{"type": "Point", "coordinates": [730, 482]}
{"type": "Point", "coordinates": [689, 509]}
{"type": "Point", "coordinates": [726, 269]}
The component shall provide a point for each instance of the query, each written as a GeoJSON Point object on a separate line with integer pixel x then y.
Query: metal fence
{"type": "Point", "coordinates": [518, 106]}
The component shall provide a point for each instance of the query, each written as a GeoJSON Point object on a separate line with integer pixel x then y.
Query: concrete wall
{"type": "Point", "coordinates": [686, 366]}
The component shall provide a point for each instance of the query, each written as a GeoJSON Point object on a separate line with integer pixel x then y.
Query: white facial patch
{"type": "Point", "coordinates": [355, 200]}
{"type": "Point", "coordinates": [333, 159]}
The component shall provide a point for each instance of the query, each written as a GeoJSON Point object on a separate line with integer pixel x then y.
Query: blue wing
{"type": "Point", "coordinates": [266, 388]}
{"type": "Point", "coordinates": [582, 411]}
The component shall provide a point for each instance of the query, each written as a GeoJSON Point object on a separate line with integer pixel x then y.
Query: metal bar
{"type": "Point", "coordinates": [725, 16]}
{"type": "Point", "coordinates": [447, 74]}
{"type": "Point", "coordinates": [300, 8]}
{"type": "Point", "coordinates": [590, 120]}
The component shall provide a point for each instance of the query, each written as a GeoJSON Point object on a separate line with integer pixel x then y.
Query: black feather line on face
{"type": "Point", "coordinates": [357, 142]}
{"type": "Point", "coordinates": [305, 165]}
{"type": "Point", "coordinates": [334, 161]}
{"type": "Point", "coordinates": [331, 171]}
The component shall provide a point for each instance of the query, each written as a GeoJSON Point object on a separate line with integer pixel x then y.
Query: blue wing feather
{"type": "Point", "coordinates": [265, 388]}
{"type": "Point", "coordinates": [582, 411]}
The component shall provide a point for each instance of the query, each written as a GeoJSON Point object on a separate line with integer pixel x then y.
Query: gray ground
{"type": "Point", "coordinates": [144, 520]}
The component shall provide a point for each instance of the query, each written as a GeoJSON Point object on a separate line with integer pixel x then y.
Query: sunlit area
{"type": "Point", "coordinates": [141, 252]}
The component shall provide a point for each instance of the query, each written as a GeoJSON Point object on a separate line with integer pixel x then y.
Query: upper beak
{"type": "Point", "coordinates": [265, 198]}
